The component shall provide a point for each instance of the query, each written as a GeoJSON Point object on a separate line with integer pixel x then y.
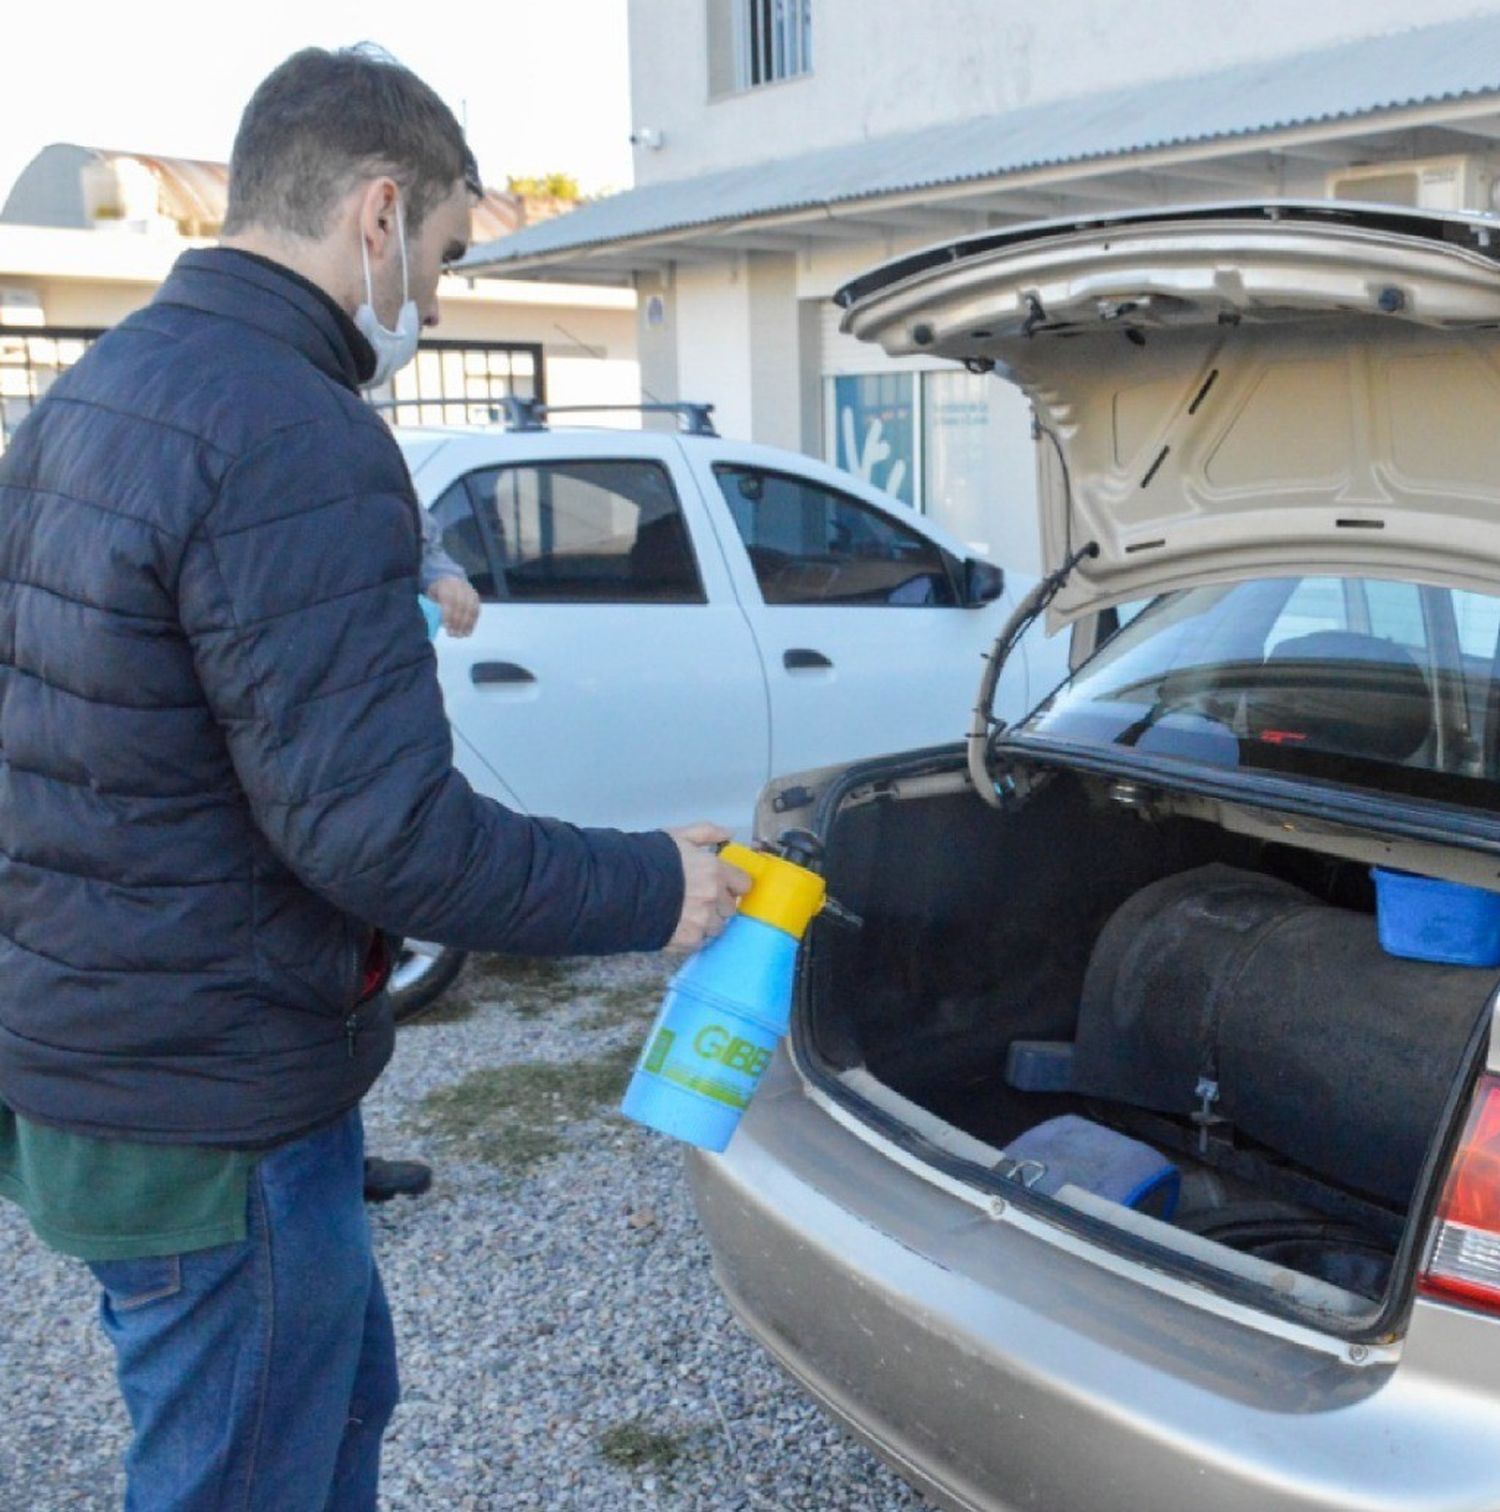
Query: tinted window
{"type": "Point", "coordinates": [587, 532]}
{"type": "Point", "coordinates": [1380, 684]}
{"type": "Point", "coordinates": [813, 545]}
{"type": "Point", "coordinates": [463, 540]}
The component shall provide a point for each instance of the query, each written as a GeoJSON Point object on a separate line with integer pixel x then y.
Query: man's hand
{"type": "Point", "coordinates": [711, 888]}
{"type": "Point", "coordinates": [459, 603]}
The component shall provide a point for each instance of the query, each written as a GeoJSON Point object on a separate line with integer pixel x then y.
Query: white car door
{"type": "Point", "coordinates": [612, 679]}
{"type": "Point", "coordinates": [855, 602]}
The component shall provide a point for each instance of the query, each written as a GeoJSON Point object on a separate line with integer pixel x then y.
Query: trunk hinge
{"type": "Point", "coordinates": [986, 726]}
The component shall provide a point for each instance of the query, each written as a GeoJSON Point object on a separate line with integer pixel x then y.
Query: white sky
{"type": "Point", "coordinates": [545, 82]}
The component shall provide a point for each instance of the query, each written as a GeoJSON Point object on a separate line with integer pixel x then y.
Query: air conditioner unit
{"type": "Point", "coordinates": [1460, 182]}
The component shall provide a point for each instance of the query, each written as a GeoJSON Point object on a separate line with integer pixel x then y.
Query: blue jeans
{"type": "Point", "coordinates": [260, 1376]}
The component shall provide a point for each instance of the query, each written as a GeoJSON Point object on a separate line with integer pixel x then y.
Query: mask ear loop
{"type": "Point", "coordinates": [364, 254]}
{"type": "Point", "coordinates": [401, 242]}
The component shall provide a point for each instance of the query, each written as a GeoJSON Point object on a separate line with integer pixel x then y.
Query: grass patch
{"type": "Point", "coordinates": [517, 1116]}
{"type": "Point", "coordinates": [452, 1008]}
{"type": "Point", "coordinates": [619, 1006]}
{"type": "Point", "coordinates": [636, 1446]}
{"type": "Point", "coordinates": [528, 985]}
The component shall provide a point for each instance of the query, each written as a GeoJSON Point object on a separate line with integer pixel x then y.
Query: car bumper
{"type": "Point", "coordinates": [999, 1371]}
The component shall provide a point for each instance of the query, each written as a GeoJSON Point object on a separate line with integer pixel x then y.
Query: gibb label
{"type": "Point", "coordinates": [711, 1060]}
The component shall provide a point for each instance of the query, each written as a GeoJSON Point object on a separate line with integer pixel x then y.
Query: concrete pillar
{"type": "Point", "coordinates": [656, 338]}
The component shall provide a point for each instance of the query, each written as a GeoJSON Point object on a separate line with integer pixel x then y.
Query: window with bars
{"type": "Point", "coordinates": [463, 382]}
{"type": "Point", "coordinates": [773, 41]}
{"type": "Point", "coordinates": [30, 362]}
{"type": "Point", "coordinates": [449, 382]}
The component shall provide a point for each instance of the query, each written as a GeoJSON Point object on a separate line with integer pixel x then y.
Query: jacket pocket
{"type": "Point", "coordinates": [131, 1284]}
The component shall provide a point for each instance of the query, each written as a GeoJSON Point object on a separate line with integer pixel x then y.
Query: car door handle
{"type": "Point", "coordinates": [499, 672]}
{"type": "Point", "coordinates": [800, 659]}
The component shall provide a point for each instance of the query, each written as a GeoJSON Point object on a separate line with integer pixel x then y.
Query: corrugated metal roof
{"type": "Point", "coordinates": [1425, 65]}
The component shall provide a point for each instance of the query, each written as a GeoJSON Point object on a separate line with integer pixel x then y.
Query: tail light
{"type": "Point", "coordinates": [1463, 1259]}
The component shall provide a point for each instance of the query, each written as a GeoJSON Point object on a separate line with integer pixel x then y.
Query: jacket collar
{"type": "Point", "coordinates": [273, 299]}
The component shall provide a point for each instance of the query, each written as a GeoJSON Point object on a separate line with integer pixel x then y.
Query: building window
{"type": "Point", "coordinates": [965, 431]}
{"type": "Point", "coordinates": [874, 430]}
{"type": "Point", "coordinates": [773, 41]}
{"type": "Point", "coordinates": [462, 382]}
{"type": "Point", "coordinates": [30, 362]}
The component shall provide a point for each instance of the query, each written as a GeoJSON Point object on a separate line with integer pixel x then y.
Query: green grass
{"type": "Point", "coordinates": [517, 1116]}
{"type": "Point", "coordinates": [528, 986]}
{"type": "Point", "coordinates": [637, 1446]}
{"type": "Point", "coordinates": [619, 1006]}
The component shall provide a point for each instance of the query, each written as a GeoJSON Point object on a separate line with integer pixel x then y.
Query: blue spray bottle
{"type": "Point", "coordinates": [731, 1002]}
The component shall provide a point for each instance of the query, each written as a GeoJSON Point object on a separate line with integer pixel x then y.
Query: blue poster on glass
{"type": "Point", "coordinates": [875, 430]}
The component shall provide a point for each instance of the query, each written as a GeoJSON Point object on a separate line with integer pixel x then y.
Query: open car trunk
{"type": "Point", "coordinates": [1158, 971]}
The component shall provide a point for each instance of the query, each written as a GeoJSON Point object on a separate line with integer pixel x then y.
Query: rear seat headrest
{"type": "Point", "coordinates": [1340, 691]}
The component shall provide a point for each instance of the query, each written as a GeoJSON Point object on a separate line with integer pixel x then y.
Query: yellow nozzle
{"type": "Point", "coordinates": [782, 894]}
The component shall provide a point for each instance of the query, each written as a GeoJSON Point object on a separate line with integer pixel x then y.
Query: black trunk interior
{"type": "Point", "coordinates": [1255, 968]}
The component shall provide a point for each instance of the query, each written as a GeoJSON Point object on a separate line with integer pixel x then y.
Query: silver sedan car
{"type": "Point", "coordinates": [1141, 1152]}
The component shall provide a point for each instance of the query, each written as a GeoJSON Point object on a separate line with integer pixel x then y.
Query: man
{"type": "Point", "coordinates": [223, 767]}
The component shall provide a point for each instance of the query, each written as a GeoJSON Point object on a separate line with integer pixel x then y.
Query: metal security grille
{"type": "Point", "coordinates": [30, 361]}
{"type": "Point", "coordinates": [449, 382]}
{"type": "Point", "coordinates": [464, 382]}
{"type": "Point", "coordinates": [775, 40]}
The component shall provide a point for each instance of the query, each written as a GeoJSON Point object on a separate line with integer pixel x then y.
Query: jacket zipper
{"type": "Point", "coordinates": [351, 1019]}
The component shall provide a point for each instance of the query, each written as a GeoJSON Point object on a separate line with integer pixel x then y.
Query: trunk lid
{"type": "Point", "coordinates": [1233, 391]}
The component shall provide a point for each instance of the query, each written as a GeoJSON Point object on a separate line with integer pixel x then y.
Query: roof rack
{"type": "Point", "coordinates": [532, 415]}
{"type": "Point", "coordinates": [494, 408]}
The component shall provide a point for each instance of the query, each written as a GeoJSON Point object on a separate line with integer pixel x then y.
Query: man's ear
{"type": "Point", "coordinates": [378, 207]}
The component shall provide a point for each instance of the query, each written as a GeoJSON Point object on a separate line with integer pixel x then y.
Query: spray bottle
{"type": "Point", "coordinates": [731, 1002]}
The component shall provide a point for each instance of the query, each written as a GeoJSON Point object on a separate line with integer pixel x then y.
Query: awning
{"type": "Point", "coordinates": [1433, 88]}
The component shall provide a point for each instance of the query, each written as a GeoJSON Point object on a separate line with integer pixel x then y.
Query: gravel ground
{"type": "Point", "coordinates": [562, 1342]}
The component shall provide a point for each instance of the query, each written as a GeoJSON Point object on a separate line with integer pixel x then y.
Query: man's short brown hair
{"type": "Point", "coordinates": [321, 122]}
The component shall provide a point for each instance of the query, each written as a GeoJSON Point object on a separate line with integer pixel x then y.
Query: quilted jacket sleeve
{"type": "Point", "coordinates": [299, 594]}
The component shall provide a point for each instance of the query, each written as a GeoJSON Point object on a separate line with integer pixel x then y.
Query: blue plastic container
{"type": "Point", "coordinates": [1073, 1151]}
{"type": "Point", "coordinates": [718, 1026]}
{"type": "Point", "coordinates": [1422, 919]}
{"type": "Point", "coordinates": [431, 613]}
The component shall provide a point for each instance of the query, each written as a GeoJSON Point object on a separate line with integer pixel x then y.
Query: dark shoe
{"type": "Point", "coordinates": [385, 1179]}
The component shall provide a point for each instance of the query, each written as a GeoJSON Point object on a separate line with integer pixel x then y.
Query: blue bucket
{"type": "Point", "coordinates": [714, 1037]}
{"type": "Point", "coordinates": [1422, 919]}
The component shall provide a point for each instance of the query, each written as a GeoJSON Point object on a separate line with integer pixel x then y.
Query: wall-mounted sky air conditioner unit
{"type": "Point", "coordinates": [1461, 182]}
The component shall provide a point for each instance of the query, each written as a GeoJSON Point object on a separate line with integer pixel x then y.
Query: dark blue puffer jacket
{"type": "Point", "coordinates": [223, 755]}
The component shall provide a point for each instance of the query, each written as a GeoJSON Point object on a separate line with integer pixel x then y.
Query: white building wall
{"type": "Point", "coordinates": [882, 66]}
{"type": "Point", "coordinates": [714, 342]}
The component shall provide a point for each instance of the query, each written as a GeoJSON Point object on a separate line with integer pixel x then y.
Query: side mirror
{"type": "Point", "coordinates": [983, 582]}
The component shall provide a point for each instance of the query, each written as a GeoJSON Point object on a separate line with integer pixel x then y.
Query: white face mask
{"type": "Point", "coordinates": [393, 349]}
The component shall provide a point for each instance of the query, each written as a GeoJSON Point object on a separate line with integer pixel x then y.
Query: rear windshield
{"type": "Point", "coordinates": [1388, 685]}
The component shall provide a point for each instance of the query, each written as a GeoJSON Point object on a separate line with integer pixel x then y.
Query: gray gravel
{"type": "Point", "coordinates": [562, 1342]}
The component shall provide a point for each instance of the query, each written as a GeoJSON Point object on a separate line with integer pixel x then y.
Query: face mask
{"type": "Point", "coordinates": [393, 349]}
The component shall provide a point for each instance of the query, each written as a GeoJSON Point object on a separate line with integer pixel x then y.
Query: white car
{"type": "Point", "coordinates": [672, 617]}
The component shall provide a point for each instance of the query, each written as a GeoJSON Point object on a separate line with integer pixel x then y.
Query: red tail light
{"type": "Point", "coordinates": [1463, 1258]}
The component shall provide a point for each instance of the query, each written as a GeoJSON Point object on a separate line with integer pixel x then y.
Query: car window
{"type": "Point", "coordinates": [1353, 680]}
{"type": "Point", "coordinates": [463, 539]}
{"type": "Point", "coordinates": [1478, 618]}
{"type": "Point", "coordinates": [608, 531]}
{"type": "Point", "coordinates": [814, 545]}
{"type": "Point", "coordinates": [1390, 610]}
